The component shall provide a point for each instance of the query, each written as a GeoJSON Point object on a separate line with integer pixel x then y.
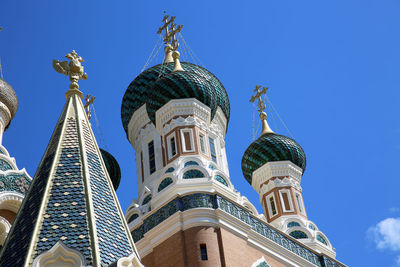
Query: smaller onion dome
{"type": "Point", "coordinates": [271, 147]}
{"type": "Point", "coordinates": [112, 168]}
{"type": "Point", "coordinates": [8, 98]}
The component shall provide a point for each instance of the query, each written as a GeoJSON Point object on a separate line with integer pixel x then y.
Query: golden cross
{"type": "Point", "coordinates": [259, 93]}
{"type": "Point", "coordinates": [88, 100]}
{"type": "Point", "coordinates": [171, 29]}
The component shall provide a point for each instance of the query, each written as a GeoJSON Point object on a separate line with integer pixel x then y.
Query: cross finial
{"type": "Point", "coordinates": [261, 107]}
{"type": "Point", "coordinates": [170, 31]}
{"type": "Point", "coordinates": [89, 99]}
{"type": "Point", "coordinates": [258, 96]}
{"type": "Point", "coordinates": [73, 69]}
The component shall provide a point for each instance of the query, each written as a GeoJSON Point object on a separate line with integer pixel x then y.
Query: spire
{"type": "Point", "coordinates": [170, 40]}
{"type": "Point", "coordinates": [261, 107]}
{"type": "Point", "coordinates": [71, 205]}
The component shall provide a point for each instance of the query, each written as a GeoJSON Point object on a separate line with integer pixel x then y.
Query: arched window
{"type": "Point", "coordinates": [298, 234]}
{"type": "Point", "coordinates": [321, 239]}
{"type": "Point", "coordinates": [192, 162]}
{"type": "Point", "coordinates": [221, 179]}
{"type": "Point", "coordinates": [4, 165]}
{"type": "Point", "coordinates": [166, 182]}
{"type": "Point", "coordinates": [311, 226]}
{"type": "Point", "coordinates": [170, 169]}
{"type": "Point", "coordinates": [133, 217]}
{"type": "Point", "coordinates": [146, 200]}
{"type": "Point", "coordinates": [293, 224]}
{"type": "Point", "coordinates": [190, 174]}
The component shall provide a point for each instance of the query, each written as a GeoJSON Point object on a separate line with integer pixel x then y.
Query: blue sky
{"type": "Point", "coordinates": [332, 68]}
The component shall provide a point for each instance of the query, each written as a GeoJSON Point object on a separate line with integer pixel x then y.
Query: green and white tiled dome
{"type": "Point", "coordinates": [158, 84]}
{"type": "Point", "coordinates": [271, 147]}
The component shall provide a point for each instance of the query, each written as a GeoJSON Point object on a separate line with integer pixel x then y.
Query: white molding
{"type": "Point", "coordinates": [138, 120]}
{"type": "Point", "coordinates": [169, 145]}
{"type": "Point", "coordinates": [11, 201]}
{"type": "Point", "coordinates": [289, 195]}
{"type": "Point", "coordinates": [260, 260]}
{"type": "Point", "coordinates": [275, 169]}
{"type": "Point", "coordinates": [5, 227]}
{"type": "Point", "coordinates": [181, 107]}
{"type": "Point", "coordinates": [60, 255]}
{"type": "Point", "coordinates": [130, 261]}
{"type": "Point", "coordinates": [183, 140]}
{"type": "Point", "coordinates": [267, 200]}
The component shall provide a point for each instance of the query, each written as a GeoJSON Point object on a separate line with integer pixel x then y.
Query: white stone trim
{"type": "Point", "coordinates": [60, 255]}
{"type": "Point", "coordinates": [289, 195]}
{"type": "Point", "coordinates": [130, 261]}
{"type": "Point", "coordinates": [5, 227]}
{"type": "Point", "coordinates": [260, 260]}
{"type": "Point", "coordinates": [11, 201]}
{"type": "Point", "coordinates": [275, 169]}
{"type": "Point", "coordinates": [169, 145]}
{"type": "Point", "coordinates": [181, 107]}
{"type": "Point", "coordinates": [183, 140]}
{"type": "Point", "coordinates": [138, 120]}
{"type": "Point", "coordinates": [267, 200]}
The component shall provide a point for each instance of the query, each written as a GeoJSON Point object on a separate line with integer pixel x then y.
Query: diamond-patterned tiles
{"type": "Point", "coordinates": [109, 222]}
{"type": "Point", "coordinates": [66, 208]}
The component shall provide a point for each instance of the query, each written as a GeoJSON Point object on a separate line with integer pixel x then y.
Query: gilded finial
{"type": "Point", "coordinates": [89, 99]}
{"type": "Point", "coordinates": [261, 107]}
{"type": "Point", "coordinates": [171, 42]}
{"type": "Point", "coordinates": [73, 69]}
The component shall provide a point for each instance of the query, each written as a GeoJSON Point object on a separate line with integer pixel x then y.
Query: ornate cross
{"type": "Point", "coordinates": [258, 96]}
{"type": "Point", "coordinates": [171, 29]}
{"type": "Point", "coordinates": [89, 99]}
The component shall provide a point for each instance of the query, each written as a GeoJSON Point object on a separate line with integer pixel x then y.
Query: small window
{"type": "Point", "coordinates": [299, 203]}
{"type": "Point", "coordinates": [203, 252]}
{"type": "Point", "coordinates": [152, 159]}
{"type": "Point", "coordinates": [273, 208]}
{"type": "Point", "coordinates": [187, 140]}
{"type": "Point", "coordinates": [298, 234]}
{"type": "Point", "coordinates": [212, 150]}
{"type": "Point", "coordinates": [322, 240]}
{"type": "Point", "coordinates": [293, 224]}
{"type": "Point", "coordinates": [133, 217]}
{"type": "Point", "coordinates": [192, 174]}
{"type": "Point", "coordinates": [146, 200]}
{"type": "Point", "coordinates": [202, 140]}
{"type": "Point", "coordinates": [171, 142]}
{"type": "Point", "coordinates": [166, 182]}
{"type": "Point", "coordinates": [286, 200]}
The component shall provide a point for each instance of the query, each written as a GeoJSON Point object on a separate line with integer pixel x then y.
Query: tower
{"type": "Point", "coordinates": [13, 182]}
{"type": "Point", "coordinates": [274, 164]}
{"type": "Point", "coordinates": [70, 215]}
{"type": "Point", "coordinates": [188, 212]}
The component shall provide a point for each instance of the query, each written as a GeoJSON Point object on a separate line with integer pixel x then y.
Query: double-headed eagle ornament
{"type": "Point", "coordinates": [73, 69]}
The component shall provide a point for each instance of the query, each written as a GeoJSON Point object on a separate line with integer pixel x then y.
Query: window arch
{"type": "Point", "coordinates": [133, 217]}
{"type": "Point", "coordinates": [146, 200]}
{"type": "Point", "coordinates": [293, 224]}
{"type": "Point", "coordinates": [191, 163]}
{"type": "Point", "coordinates": [322, 240]}
{"type": "Point", "coordinates": [164, 183]}
{"type": "Point", "coordinates": [311, 226]}
{"type": "Point", "coordinates": [191, 174]}
{"type": "Point", "coordinates": [221, 179]}
{"type": "Point", "coordinates": [298, 234]}
{"type": "Point", "coordinates": [170, 169]}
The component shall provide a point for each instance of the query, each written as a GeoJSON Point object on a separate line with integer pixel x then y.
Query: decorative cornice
{"type": "Point", "coordinates": [181, 107]}
{"type": "Point", "coordinates": [275, 169]}
{"type": "Point", "coordinates": [138, 120]}
{"type": "Point", "coordinates": [279, 182]}
{"type": "Point", "coordinates": [216, 202]}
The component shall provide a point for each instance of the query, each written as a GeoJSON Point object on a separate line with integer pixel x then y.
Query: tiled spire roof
{"type": "Point", "coordinates": [71, 200]}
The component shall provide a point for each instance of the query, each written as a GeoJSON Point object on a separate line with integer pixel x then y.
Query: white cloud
{"type": "Point", "coordinates": [386, 234]}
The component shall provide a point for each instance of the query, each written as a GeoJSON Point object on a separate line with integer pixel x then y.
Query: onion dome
{"type": "Point", "coordinates": [8, 98]}
{"type": "Point", "coordinates": [271, 147]}
{"type": "Point", "coordinates": [112, 167]}
{"type": "Point", "coordinates": [158, 84]}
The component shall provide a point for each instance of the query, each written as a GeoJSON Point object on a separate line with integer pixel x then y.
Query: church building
{"type": "Point", "coordinates": [187, 212]}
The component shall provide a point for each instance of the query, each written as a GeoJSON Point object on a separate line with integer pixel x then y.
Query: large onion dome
{"type": "Point", "coordinates": [271, 147]}
{"type": "Point", "coordinates": [8, 98]}
{"type": "Point", "coordinates": [158, 84]}
{"type": "Point", "coordinates": [112, 168]}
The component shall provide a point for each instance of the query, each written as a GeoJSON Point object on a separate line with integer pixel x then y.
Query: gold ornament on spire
{"type": "Point", "coordinates": [73, 69]}
{"type": "Point", "coordinates": [89, 99]}
{"type": "Point", "coordinates": [261, 107]}
{"type": "Point", "coordinates": [171, 42]}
